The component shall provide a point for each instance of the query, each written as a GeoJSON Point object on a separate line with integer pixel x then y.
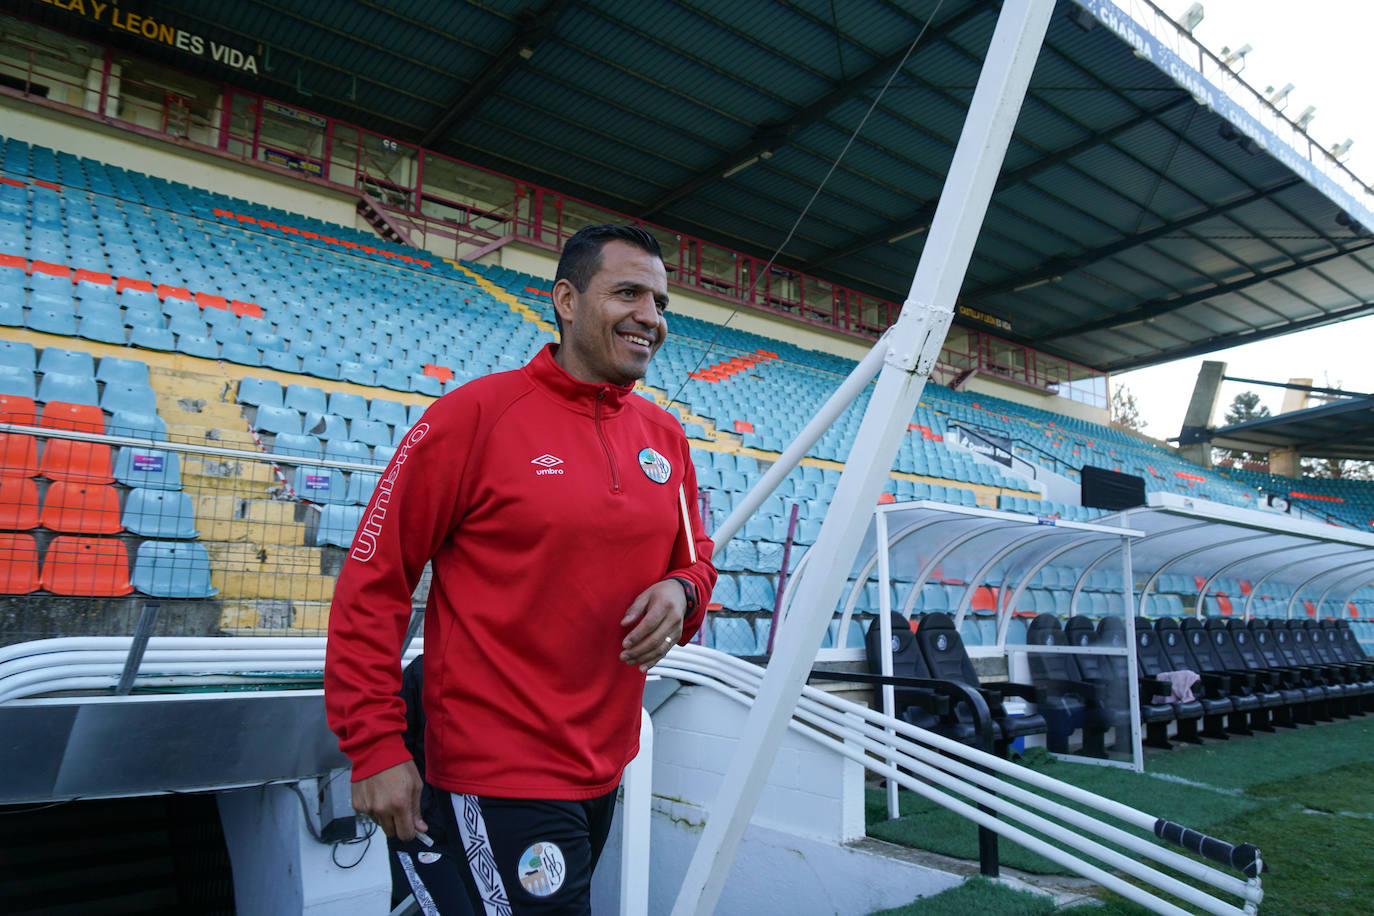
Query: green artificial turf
{"type": "Point", "coordinates": [977, 895]}
{"type": "Point", "coordinates": [1305, 798]}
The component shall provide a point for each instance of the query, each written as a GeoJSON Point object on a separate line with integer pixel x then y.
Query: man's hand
{"type": "Point", "coordinates": [392, 799]}
{"type": "Point", "coordinates": [657, 618]}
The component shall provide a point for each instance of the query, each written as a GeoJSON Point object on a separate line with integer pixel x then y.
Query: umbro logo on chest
{"type": "Point", "coordinates": [548, 465]}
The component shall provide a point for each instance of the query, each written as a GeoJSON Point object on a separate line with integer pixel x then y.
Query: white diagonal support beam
{"type": "Point", "coordinates": [913, 344]}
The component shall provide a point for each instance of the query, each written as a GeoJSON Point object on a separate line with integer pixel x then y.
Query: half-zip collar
{"type": "Point", "coordinates": [597, 401]}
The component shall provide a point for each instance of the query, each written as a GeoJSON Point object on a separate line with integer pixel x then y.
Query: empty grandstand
{"type": "Point", "coordinates": [225, 302]}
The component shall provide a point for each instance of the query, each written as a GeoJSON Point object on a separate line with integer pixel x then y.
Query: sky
{"type": "Point", "coordinates": [1319, 46]}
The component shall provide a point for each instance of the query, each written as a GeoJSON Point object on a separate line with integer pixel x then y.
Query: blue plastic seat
{"type": "Point", "coordinates": [360, 487]}
{"type": "Point", "coordinates": [276, 359]}
{"type": "Point", "coordinates": [305, 398]}
{"type": "Point", "coordinates": [152, 338]}
{"type": "Point", "coordinates": [320, 367]}
{"type": "Point", "coordinates": [259, 392]}
{"type": "Point", "coordinates": [755, 593]}
{"type": "Point", "coordinates": [338, 524]}
{"type": "Point", "coordinates": [18, 355]}
{"type": "Point", "coordinates": [382, 454]}
{"type": "Point", "coordinates": [241, 353]}
{"type": "Point", "coordinates": [51, 319]}
{"type": "Point", "coordinates": [370, 432]}
{"type": "Point", "coordinates": [348, 405]}
{"type": "Point", "coordinates": [18, 382]}
{"type": "Point", "coordinates": [142, 426]}
{"type": "Point", "coordinates": [298, 445]}
{"type": "Point", "coordinates": [137, 397]}
{"type": "Point", "coordinates": [73, 389]}
{"type": "Point", "coordinates": [733, 635]}
{"type": "Point", "coordinates": [160, 514]}
{"type": "Point", "coordinates": [173, 569]}
{"type": "Point", "coordinates": [347, 450]}
{"type": "Point", "coordinates": [327, 426]}
{"type": "Point", "coordinates": [413, 414]}
{"type": "Point", "coordinates": [67, 362]}
{"type": "Point", "coordinates": [320, 485]}
{"type": "Point", "coordinates": [278, 420]}
{"type": "Point", "coordinates": [357, 373]}
{"type": "Point", "coordinates": [127, 371]}
{"type": "Point", "coordinates": [153, 468]}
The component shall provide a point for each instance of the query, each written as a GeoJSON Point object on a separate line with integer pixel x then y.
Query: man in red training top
{"type": "Point", "coordinates": [558, 509]}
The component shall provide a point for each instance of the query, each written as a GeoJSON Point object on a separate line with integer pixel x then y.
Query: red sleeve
{"type": "Point", "coordinates": [700, 571]}
{"type": "Point", "coordinates": [413, 510]}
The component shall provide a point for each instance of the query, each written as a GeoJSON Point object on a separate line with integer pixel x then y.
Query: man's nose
{"type": "Point", "coordinates": [646, 311]}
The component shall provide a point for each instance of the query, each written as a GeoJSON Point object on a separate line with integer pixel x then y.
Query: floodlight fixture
{"type": "Point", "coordinates": [1279, 97]}
{"type": "Point", "coordinates": [1340, 149]}
{"type": "Point", "coordinates": [1232, 58]}
{"type": "Point", "coordinates": [1191, 17]}
{"type": "Point", "coordinates": [1306, 117]}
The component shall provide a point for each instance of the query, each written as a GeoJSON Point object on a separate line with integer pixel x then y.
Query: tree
{"type": "Point", "coordinates": [1244, 407]}
{"type": "Point", "coordinates": [1125, 411]}
{"type": "Point", "coordinates": [1337, 469]}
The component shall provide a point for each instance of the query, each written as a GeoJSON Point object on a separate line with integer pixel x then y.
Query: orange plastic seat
{"type": "Point", "coordinates": [86, 566]}
{"type": "Point", "coordinates": [84, 462]}
{"type": "Point", "coordinates": [123, 283]}
{"type": "Point", "coordinates": [15, 408]}
{"type": "Point", "coordinates": [81, 508]}
{"type": "Point", "coordinates": [18, 455]}
{"type": "Point", "coordinates": [442, 373]}
{"type": "Point", "coordinates": [79, 418]}
{"type": "Point", "coordinates": [18, 503]}
{"type": "Point", "coordinates": [164, 291]}
{"type": "Point", "coordinates": [211, 301]}
{"type": "Point", "coordinates": [18, 564]}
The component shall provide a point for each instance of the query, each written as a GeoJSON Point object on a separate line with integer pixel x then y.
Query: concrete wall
{"type": "Point", "coordinates": [796, 857]}
{"type": "Point", "coordinates": [281, 870]}
{"type": "Point", "coordinates": [1017, 394]}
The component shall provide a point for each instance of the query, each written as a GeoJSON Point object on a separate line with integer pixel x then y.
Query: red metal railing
{"type": "Point", "coordinates": [453, 206]}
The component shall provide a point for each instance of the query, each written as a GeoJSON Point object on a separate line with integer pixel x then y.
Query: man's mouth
{"type": "Point", "coordinates": [637, 339]}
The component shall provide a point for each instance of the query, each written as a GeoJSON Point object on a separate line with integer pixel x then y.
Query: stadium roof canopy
{"type": "Point", "coordinates": [1344, 429]}
{"type": "Point", "coordinates": [1136, 220]}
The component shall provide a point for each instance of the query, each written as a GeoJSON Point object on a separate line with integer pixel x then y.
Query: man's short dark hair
{"type": "Point", "coordinates": [581, 257]}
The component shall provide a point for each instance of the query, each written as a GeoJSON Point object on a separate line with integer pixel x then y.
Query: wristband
{"type": "Point", "coordinates": [690, 589]}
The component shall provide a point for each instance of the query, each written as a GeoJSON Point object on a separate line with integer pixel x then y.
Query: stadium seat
{"type": "Point", "coordinates": [360, 487]}
{"type": "Point", "coordinates": [326, 426]}
{"type": "Point", "coordinates": [173, 569]}
{"type": "Point", "coordinates": [393, 413]}
{"type": "Point", "coordinates": [86, 566]}
{"type": "Point", "coordinates": [733, 635]}
{"type": "Point", "coordinates": [124, 371]}
{"type": "Point", "coordinates": [945, 656]}
{"type": "Point", "coordinates": [48, 318]}
{"type": "Point", "coordinates": [278, 420]}
{"type": "Point", "coordinates": [80, 418]}
{"type": "Point", "coordinates": [18, 455]}
{"type": "Point", "coordinates": [259, 392]}
{"type": "Point", "coordinates": [159, 514]}
{"type": "Point", "coordinates": [81, 508]}
{"type": "Point", "coordinates": [66, 459]}
{"type": "Point", "coordinates": [305, 398]}
{"type": "Point", "coordinates": [337, 525]}
{"type": "Point", "coordinates": [73, 389]}
{"type": "Point", "coordinates": [18, 564]}
{"type": "Point", "coordinates": [296, 445]}
{"type": "Point", "coordinates": [151, 337]}
{"type": "Point", "coordinates": [150, 468]}
{"type": "Point", "coordinates": [140, 426]}
{"type": "Point", "coordinates": [320, 485]}
{"type": "Point", "coordinates": [17, 382]}
{"type": "Point", "coordinates": [18, 355]}
{"type": "Point", "coordinates": [18, 503]}
{"type": "Point", "coordinates": [136, 397]}
{"type": "Point", "coordinates": [347, 405]}
{"type": "Point", "coordinates": [370, 432]}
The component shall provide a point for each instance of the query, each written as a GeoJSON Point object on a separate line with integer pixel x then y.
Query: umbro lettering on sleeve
{"type": "Point", "coordinates": [544, 506]}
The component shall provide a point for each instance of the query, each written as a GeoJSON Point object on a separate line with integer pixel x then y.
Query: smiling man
{"type": "Point", "coordinates": [558, 510]}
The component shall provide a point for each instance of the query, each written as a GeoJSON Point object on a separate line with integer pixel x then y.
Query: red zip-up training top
{"type": "Point", "coordinates": [547, 505]}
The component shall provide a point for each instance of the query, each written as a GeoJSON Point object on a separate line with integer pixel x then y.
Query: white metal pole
{"type": "Point", "coordinates": [880, 537]}
{"type": "Point", "coordinates": [1132, 667]}
{"type": "Point", "coordinates": [635, 825]}
{"type": "Point", "coordinates": [914, 345]}
{"type": "Point", "coordinates": [830, 411]}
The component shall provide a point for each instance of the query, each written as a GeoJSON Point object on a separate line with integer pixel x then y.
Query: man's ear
{"type": "Point", "coordinates": [565, 300]}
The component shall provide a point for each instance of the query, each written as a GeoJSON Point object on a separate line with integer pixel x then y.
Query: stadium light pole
{"type": "Point", "coordinates": [913, 344]}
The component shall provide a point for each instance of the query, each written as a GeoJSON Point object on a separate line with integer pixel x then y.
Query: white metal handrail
{"type": "Point", "coordinates": [921, 758]}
